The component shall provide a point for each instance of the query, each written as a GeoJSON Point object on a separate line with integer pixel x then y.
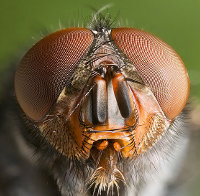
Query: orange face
{"type": "Point", "coordinates": [113, 92]}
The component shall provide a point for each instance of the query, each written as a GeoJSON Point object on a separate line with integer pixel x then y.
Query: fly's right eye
{"type": "Point", "coordinates": [47, 68]}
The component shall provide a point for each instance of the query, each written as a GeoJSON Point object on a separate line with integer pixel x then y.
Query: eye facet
{"type": "Point", "coordinates": [47, 68]}
{"type": "Point", "coordinates": [158, 65]}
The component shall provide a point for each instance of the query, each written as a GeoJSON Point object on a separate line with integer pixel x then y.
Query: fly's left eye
{"type": "Point", "coordinates": [47, 68]}
{"type": "Point", "coordinates": [158, 65]}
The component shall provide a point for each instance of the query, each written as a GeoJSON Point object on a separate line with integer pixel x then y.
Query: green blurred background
{"type": "Point", "coordinates": [177, 22]}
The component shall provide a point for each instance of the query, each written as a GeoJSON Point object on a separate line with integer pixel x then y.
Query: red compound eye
{"type": "Point", "coordinates": [47, 68]}
{"type": "Point", "coordinates": [158, 65]}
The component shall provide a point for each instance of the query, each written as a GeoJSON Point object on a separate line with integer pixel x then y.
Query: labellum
{"type": "Point", "coordinates": [102, 98]}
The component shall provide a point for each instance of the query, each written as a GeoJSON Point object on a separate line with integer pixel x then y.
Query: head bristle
{"type": "Point", "coordinates": [101, 21]}
{"type": "Point", "coordinates": [104, 180]}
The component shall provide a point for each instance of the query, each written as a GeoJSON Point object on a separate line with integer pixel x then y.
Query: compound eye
{"type": "Point", "coordinates": [47, 68]}
{"type": "Point", "coordinates": [158, 65]}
